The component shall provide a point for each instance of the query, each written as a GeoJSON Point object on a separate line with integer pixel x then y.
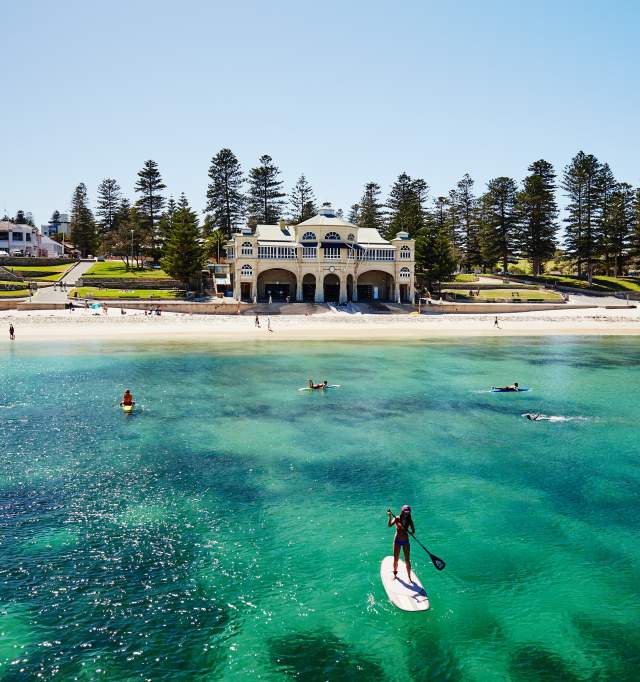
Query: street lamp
{"type": "Point", "coordinates": [132, 249]}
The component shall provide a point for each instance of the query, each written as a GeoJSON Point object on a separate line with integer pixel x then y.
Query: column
{"type": "Point", "coordinates": [236, 284]}
{"type": "Point", "coordinates": [299, 288]}
{"type": "Point", "coordinates": [343, 289]}
{"type": "Point", "coordinates": [397, 292]}
{"type": "Point", "coordinates": [354, 293]}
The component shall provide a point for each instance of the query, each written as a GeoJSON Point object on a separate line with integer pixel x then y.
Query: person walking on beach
{"type": "Point", "coordinates": [257, 322]}
{"type": "Point", "coordinates": [269, 324]}
{"type": "Point", "coordinates": [12, 333]}
{"type": "Point", "coordinates": [495, 323]}
{"type": "Point", "coordinates": [404, 525]}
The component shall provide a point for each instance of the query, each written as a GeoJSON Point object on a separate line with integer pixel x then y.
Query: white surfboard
{"type": "Point", "coordinates": [407, 594]}
{"type": "Point", "coordinates": [308, 388]}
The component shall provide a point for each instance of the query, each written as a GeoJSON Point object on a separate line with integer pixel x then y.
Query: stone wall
{"type": "Point", "coordinates": [123, 283]}
{"type": "Point", "coordinates": [28, 260]}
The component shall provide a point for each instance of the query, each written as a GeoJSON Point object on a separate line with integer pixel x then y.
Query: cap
{"type": "Point", "coordinates": [406, 507]}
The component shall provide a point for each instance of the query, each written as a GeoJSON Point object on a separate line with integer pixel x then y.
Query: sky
{"type": "Point", "coordinates": [343, 91]}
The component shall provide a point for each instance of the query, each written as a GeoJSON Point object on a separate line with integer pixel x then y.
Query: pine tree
{"type": "Point", "coordinates": [165, 224]}
{"type": "Point", "coordinates": [538, 212]}
{"type": "Point", "coordinates": [109, 199]}
{"type": "Point", "coordinates": [371, 213]}
{"type": "Point", "coordinates": [454, 226]}
{"type": "Point", "coordinates": [406, 205]}
{"type": "Point", "coordinates": [82, 224]}
{"type": "Point", "coordinates": [55, 220]}
{"type": "Point", "coordinates": [467, 206]}
{"type": "Point", "coordinates": [151, 202]}
{"type": "Point", "coordinates": [581, 184]}
{"type": "Point", "coordinates": [225, 200]}
{"type": "Point", "coordinates": [302, 201]}
{"type": "Point", "coordinates": [607, 186]}
{"type": "Point", "coordinates": [635, 237]}
{"type": "Point", "coordinates": [500, 222]}
{"type": "Point", "coordinates": [354, 214]}
{"type": "Point", "coordinates": [183, 254]}
{"type": "Point", "coordinates": [620, 230]}
{"type": "Point", "coordinates": [20, 217]}
{"type": "Point", "coordinates": [434, 251]}
{"type": "Point", "coordinates": [265, 192]}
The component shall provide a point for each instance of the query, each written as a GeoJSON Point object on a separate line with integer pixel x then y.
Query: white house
{"type": "Point", "coordinates": [25, 240]}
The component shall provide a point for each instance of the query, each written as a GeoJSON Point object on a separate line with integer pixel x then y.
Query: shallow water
{"type": "Point", "coordinates": [233, 527]}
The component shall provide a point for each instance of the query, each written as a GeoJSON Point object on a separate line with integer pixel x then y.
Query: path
{"type": "Point", "coordinates": [48, 295]}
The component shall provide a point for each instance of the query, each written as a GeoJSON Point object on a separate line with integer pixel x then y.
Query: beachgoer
{"type": "Point", "coordinates": [317, 386]}
{"type": "Point", "coordinates": [404, 525]}
{"type": "Point", "coordinates": [257, 321]}
{"type": "Point", "coordinates": [269, 324]}
{"type": "Point", "coordinates": [270, 299]}
{"type": "Point", "coordinates": [533, 417]}
{"type": "Point", "coordinates": [495, 323]}
{"type": "Point", "coordinates": [105, 309]}
{"type": "Point", "coordinates": [127, 398]}
{"type": "Point", "coordinates": [12, 333]}
{"type": "Point", "coordinates": [123, 311]}
{"type": "Point", "coordinates": [513, 387]}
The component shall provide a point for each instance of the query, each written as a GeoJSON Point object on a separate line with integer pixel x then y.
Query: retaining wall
{"type": "Point", "coordinates": [32, 260]}
{"type": "Point", "coordinates": [122, 283]}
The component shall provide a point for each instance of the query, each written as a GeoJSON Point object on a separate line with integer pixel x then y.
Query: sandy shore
{"type": "Point", "coordinates": [81, 325]}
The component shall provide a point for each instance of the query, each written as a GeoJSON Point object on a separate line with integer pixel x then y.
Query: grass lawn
{"type": "Point", "coordinates": [117, 294]}
{"type": "Point", "coordinates": [41, 273]}
{"type": "Point", "coordinates": [600, 283]}
{"type": "Point", "coordinates": [507, 295]}
{"type": "Point", "coordinates": [17, 293]}
{"type": "Point", "coordinates": [463, 278]}
{"type": "Point", "coordinates": [117, 269]}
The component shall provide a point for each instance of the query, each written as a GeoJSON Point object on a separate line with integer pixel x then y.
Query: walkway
{"type": "Point", "coordinates": [48, 295]}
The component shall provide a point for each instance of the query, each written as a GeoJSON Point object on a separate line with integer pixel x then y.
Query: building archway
{"type": "Point", "coordinates": [349, 287]}
{"type": "Point", "coordinates": [331, 288]}
{"type": "Point", "coordinates": [375, 285]}
{"type": "Point", "coordinates": [309, 288]}
{"type": "Point", "coordinates": [277, 284]}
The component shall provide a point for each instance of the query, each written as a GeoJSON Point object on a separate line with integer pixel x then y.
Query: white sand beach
{"type": "Point", "coordinates": [80, 325]}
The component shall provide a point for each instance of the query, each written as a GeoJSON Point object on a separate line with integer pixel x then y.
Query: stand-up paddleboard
{"type": "Point", "coordinates": [127, 409]}
{"type": "Point", "coordinates": [508, 390]}
{"type": "Point", "coordinates": [407, 594]}
{"type": "Point", "coordinates": [308, 388]}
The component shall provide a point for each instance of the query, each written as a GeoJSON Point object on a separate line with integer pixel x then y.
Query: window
{"type": "Point", "coordinates": [4, 236]}
{"type": "Point", "coordinates": [332, 252]}
{"type": "Point", "coordinates": [246, 271]}
{"type": "Point", "coordinates": [405, 273]}
{"type": "Point", "coordinates": [309, 251]}
{"type": "Point", "coordinates": [351, 237]}
{"type": "Point", "coordinates": [231, 252]}
{"type": "Point", "coordinates": [309, 237]}
{"type": "Point", "coordinates": [28, 236]}
{"type": "Point", "coordinates": [287, 252]}
{"type": "Point", "coordinates": [405, 253]}
{"type": "Point", "coordinates": [332, 236]}
{"type": "Point", "coordinates": [378, 254]}
{"type": "Point", "coordinates": [247, 249]}
{"type": "Point", "coordinates": [17, 237]}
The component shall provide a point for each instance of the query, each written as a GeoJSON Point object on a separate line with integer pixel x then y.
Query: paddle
{"type": "Point", "coordinates": [436, 561]}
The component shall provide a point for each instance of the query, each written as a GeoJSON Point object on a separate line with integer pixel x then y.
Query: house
{"type": "Point", "coordinates": [25, 240]}
{"type": "Point", "coordinates": [323, 259]}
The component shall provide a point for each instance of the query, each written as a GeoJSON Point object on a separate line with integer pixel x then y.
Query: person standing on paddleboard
{"type": "Point", "coordinates": [403, 524]}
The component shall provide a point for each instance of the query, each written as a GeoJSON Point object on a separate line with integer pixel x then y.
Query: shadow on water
{"type": "Point", "coordinates": [321, 656]}
{"type": "Point", "coordinates": [536, 664]}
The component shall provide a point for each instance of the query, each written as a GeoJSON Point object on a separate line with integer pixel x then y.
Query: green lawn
{"type": "Point", "coordinates": [117, 269]}
{"type": "Point", "coordinates": [463, 278]}
{"type": "Point", "coordinates": [116, 294]}
{"type": "Point", "coordinates": [41, 273]}
{"type": "Point", "coordinates": [600, 283]}
{"type": "Point", "coordinates": [507, 295]}
{"type": "Point", "coordinates": [16, 293]}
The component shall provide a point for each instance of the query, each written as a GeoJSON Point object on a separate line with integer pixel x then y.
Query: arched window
{"type": "Point", "coordinates": [246, 270]}
{"type": "Point", "coordinates": [309, 237]}
{"type": "Point", "coordinates": [332, 236]}
{"type": "Point", "coordinates": [405, 273]}
{"type": "Point", "coordinates": [247, 249]}
{"type": "Point", "coordinates": [405, 253]}
{"type": "Point", "coordinates": [351, 237]}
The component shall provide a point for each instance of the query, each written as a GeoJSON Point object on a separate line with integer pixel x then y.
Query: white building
{"type": "Point", "coordinates": [323, 259]}
{"type": "Point", "coordinates": [25, 240]}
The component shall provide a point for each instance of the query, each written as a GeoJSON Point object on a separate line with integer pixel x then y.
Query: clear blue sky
{"type": "Point", "coordinates": [345, 92]}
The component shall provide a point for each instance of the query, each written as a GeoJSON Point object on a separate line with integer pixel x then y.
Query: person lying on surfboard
{"type": "Point", "coordinates": [403, 524]}
{"type": "Point", "coordinates": [127, 399]}
{"type": "Point", "coordinates": [315, 386]}
{"type": "Point", "coordinates": [513, 387]}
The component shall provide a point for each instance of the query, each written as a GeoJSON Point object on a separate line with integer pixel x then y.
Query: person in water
{"type": "Point", "coordinates": [127, 399]}
{"type": "Point", "coordinates": [513, 387]}
{"type": "Point", "coordinates": [316, 386]}
{"type": "Point", "coordinates": [404, 525]}
{"type": "Point", "coordinates": [533, 417]}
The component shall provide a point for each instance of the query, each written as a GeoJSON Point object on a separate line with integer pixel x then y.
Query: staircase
{"type": "Point", "coordinates": [7, 276]}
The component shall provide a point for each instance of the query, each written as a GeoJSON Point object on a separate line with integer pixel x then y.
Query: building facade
{"type": "Point", "coordinates": [323, 259]}
{"type": "Point", "coordinates": [62, 227]}
{"type": "Point", "coordinates": [25, 240]}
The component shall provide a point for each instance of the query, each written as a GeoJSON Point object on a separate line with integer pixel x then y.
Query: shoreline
{"type": "Point", "coordinates": [38, 326]}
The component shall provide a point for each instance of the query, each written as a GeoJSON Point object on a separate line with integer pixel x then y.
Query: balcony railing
{"type": "Point", "coordinates": [277, 252]}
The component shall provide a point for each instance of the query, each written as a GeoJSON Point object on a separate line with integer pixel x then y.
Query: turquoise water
{"type": "Point", "coordinates": [233, 527]}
